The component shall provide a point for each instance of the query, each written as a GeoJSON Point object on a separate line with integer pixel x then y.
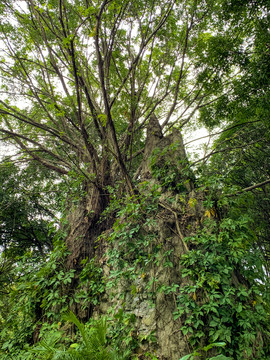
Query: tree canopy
{"type": "Point", "coordinates": [82, 79]}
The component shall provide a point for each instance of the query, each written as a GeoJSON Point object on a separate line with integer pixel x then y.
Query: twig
{"type": "Point", "coordinates": [250, 188]}
{"type": "Point", "coordinates": [177, 225]}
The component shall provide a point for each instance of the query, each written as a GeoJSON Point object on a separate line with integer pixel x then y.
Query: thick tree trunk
{"type": "Point", "coordinates": [175, 220]}
{"type": "Point", "coordinates": [149, 288]}
{"type": "Point", "coordinates": [84, 227]}
{"type": "Point", "coordinates": [154, 306]}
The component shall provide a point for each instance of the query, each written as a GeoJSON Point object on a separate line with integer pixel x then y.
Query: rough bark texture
{"type": "Point", "coordinates": [84, 228]}
{"type": "Point", "coordinates": [154, 313]}
{"type": "Point", "coordinates": [167, 149]}
{"type": "Point", "coordinates": [175, 220]}
{"type": "Point", "coordinates": [84, 224]}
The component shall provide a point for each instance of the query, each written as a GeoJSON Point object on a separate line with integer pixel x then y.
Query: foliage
{"type": "Point", "coordinates": [79, 103]}
{"type": "Point", "coordinates": [91, 278]}
{"type": "Point", "coordinates": [245, 165]}
{"type": "Point", "coordinates": [93, 344]}
{"type": "Point", "coordinates": [131, 258]}
{"type": "Point", "coordinates": [206, 349]}
{"type": "Point", "coordinates": [172, 174]}
{"type": "Point", "coordinates": [26, 217]}
{"type": "Point", "coordinates": [37, 292]}
{"type": "Point", "coordinates": [226, 300]}
{"type": "Point", "coordinates": [226, 297]}
{"type": "Point", "coordinates": [80, 84]}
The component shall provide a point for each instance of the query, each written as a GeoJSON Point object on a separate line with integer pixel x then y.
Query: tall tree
{"type": "Point", "coordinates": [103, 89]}
{"type": "Point", "coordinates": [27, 207]}
{"type": "Point", "coordinates": [91, 76]}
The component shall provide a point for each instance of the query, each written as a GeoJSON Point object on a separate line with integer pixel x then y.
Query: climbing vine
{"type": "Point", "coordinates": [224, 296]}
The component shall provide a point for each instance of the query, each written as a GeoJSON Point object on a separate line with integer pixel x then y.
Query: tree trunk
{"type": "Point", "coordinates": [174, 220]}
{"type": "Point", "coordinates": [140, 247]}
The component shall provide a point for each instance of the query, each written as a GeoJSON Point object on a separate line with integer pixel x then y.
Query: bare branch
{"type": "Point", "coordinates": [224, 150]}
{"type": "Point", "coordinates": [252, 187]}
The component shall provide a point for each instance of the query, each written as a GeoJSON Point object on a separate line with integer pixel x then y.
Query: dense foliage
{"type": "Point", "coordinates": [102, 211]}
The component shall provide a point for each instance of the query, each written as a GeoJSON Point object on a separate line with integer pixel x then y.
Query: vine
{"type": "Point", "coordinates": [223, 301]}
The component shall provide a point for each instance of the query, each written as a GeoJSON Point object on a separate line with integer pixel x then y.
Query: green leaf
{"type": "Point", "coordinates": [217, 344]}
{"type": "Point", "coordinates": [186, 357]}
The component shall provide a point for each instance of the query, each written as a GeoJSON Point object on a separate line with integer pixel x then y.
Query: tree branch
{"type": "Point", "coordinates": [250, 188]}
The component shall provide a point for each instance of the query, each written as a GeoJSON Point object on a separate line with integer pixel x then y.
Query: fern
{"type": "Point", "coordinates": [94, 339]}
{"type": "Point", "coordinates": [93, 346]}
{"type": "Point", "coordinates": [71, 317]}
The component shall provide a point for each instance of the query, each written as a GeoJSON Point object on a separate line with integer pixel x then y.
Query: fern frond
{"type": "Point", "coordinates": [67, 355]}
{"type": "Point", "coordinates": [71, 317]}
{"type": "Point", "coordinates": [94, 339]}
